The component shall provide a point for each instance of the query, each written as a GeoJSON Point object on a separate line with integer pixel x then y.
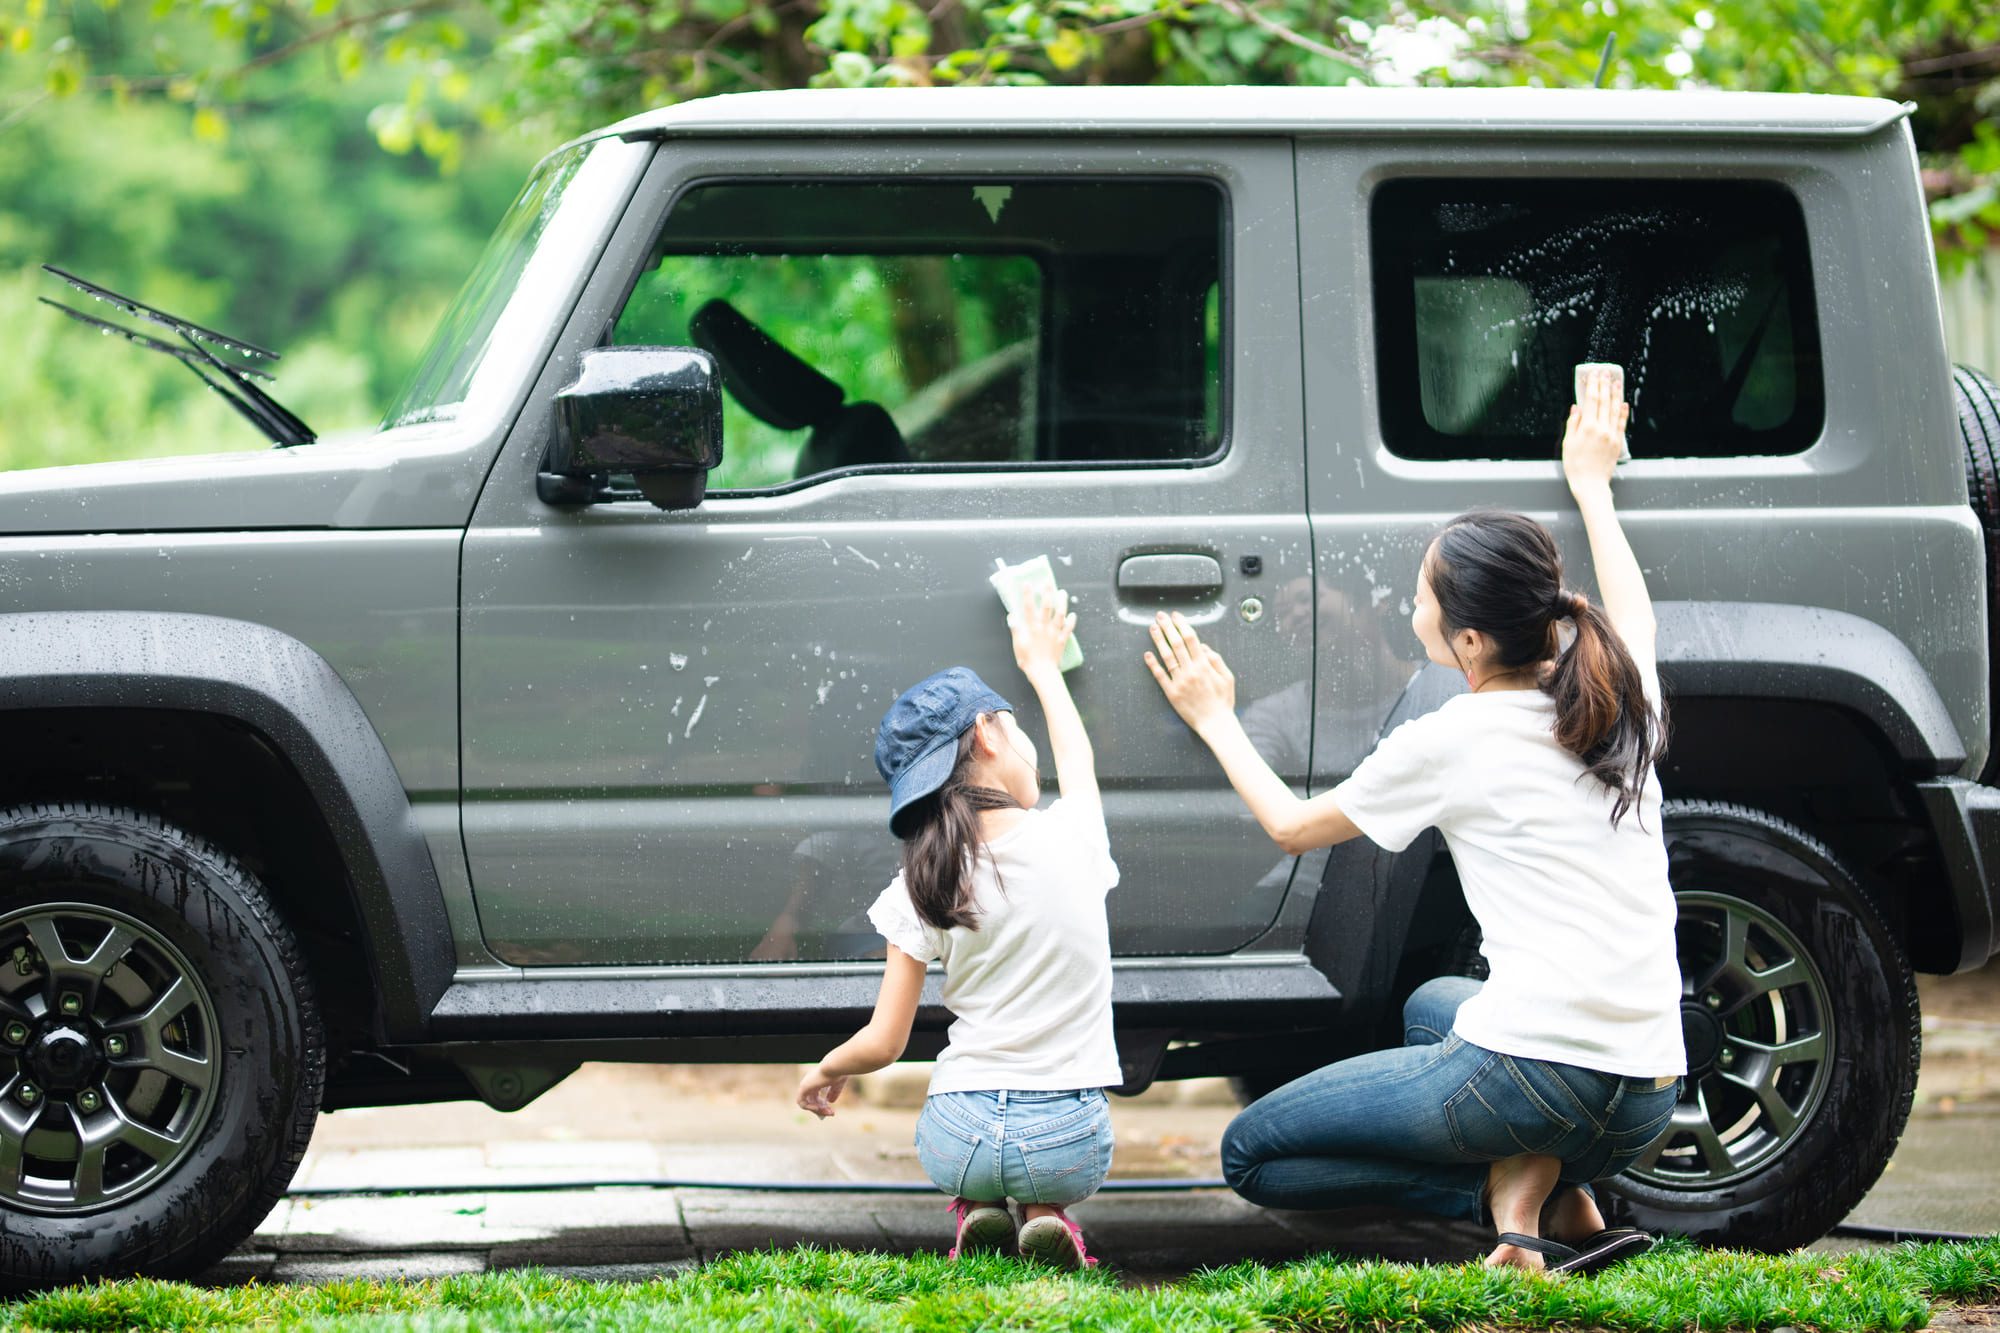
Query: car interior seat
{"type": "Point", "coordinates": [778, 388]}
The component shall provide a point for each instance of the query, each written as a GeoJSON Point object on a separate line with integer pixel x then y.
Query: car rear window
{"type": "Point", "coordinates": [1488, 294]}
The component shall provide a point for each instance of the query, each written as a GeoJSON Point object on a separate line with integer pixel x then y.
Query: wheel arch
{"type": "Point", "coordinates": [202, 693]}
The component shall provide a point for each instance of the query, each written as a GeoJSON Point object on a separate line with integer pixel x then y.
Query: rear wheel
{"type": "Point", "coordinates": [160, 1054]}
{"type": "Point", "coordinates": [1800, 1020]}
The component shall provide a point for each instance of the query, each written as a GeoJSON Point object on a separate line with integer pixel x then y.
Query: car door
{"type": "Point", "coordinates": [937, 356]}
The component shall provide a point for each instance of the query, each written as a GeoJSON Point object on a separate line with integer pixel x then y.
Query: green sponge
{"type": "Point", "coordinates": [1010, 581]}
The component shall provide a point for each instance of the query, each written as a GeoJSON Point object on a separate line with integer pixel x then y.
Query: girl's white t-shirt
{"type": "Point", "coordinates": [1030, 988]}
{"type": "Point", "coordinates": [1578, 915]}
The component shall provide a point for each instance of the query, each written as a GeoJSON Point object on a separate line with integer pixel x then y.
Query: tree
{"type": "Point", "coordinates": [569, 64]}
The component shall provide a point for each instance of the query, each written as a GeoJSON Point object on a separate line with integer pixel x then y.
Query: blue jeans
{"type": "Point", "coordinates": [1417, 1126]}
{"type": "Point", "coordinates": [1032, 1147]}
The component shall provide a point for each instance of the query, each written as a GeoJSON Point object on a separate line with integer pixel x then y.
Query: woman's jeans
{"type": "Point", "coordinates": [1417, 1127]}
{"type": "Point", "coordinates": [1032, 1147]}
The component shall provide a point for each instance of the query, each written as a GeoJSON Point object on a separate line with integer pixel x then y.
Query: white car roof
{"type": "Point", "coordinates": [1244, 110]}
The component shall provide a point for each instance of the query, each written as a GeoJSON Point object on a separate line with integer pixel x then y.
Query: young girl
{"type": "Point", "coordinates": [1564, 1065]}
{"type": "Point", "coordinates": [1011, 900]}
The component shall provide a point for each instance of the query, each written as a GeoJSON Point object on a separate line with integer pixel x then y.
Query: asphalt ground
{"type": "Point", "coordinates": [735, 1123]}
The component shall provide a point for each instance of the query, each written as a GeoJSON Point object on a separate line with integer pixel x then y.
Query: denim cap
{"type": "Point", "coordinates": [916, 747]}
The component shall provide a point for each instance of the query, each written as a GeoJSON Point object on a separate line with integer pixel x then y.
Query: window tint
{"type": "Point", "coordinates": [959, 323]}
{"type": "Point", "coordinates": [1488, 294]}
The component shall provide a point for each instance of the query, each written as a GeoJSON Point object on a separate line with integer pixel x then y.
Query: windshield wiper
{"type": "Point", "coordinates": [235, 384]}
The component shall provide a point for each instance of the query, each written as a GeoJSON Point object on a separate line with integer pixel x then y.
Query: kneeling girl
{"type": "Point", "coordinates": [1010, 900]}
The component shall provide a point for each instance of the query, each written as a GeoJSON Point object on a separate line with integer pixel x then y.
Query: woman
{"type": "Point", "coordinates": [1511, 1096]}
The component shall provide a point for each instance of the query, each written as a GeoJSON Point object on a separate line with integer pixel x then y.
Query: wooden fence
{"type": "Point", "coordinates": [1971, 300]}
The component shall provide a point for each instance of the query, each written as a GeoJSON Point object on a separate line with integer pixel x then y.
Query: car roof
{"type": "Point", "coordinates": [1245, 110]}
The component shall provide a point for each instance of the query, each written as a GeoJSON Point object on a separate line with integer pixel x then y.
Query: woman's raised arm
{"type": "Point", "coordinates": [1200, 686]}
{"type": "Point", "coordinates": [1592, 443]}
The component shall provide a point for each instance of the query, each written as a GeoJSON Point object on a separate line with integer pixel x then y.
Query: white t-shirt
{"type": "Point", "coordinates": [1578, 916]}
{"type": "Point", "coordinates": [1030, 988]}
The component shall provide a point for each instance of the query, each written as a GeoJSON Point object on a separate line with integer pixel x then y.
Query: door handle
{"type": "Point", "coordinates": [1170, 573]}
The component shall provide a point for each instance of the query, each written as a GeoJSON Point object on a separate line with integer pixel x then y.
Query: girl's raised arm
{"type": "Point", "coordinates": [1594, 439]}
{"type": "Point", "coordinates": [1040, 629]}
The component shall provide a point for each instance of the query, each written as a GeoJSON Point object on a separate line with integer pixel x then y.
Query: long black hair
{"type": "Point", "coordinates": [1501, 574]}
{"type": "Point", "coordinates": [944, 838]}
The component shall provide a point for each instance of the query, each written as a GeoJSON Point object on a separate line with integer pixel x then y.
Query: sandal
{"type": "Point", "coordinates": [983, 1228]}
{"type": "Point", "coordinates": [1055, 1240]}
{"type": "Point", "coordinates": [1607, 1247]}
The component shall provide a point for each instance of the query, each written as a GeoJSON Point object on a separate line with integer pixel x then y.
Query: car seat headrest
{"type": "Point", "coordinates": [773, 384]}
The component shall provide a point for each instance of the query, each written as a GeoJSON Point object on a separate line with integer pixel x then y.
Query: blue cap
{"type": "Point", "coordinates": [916, 747]}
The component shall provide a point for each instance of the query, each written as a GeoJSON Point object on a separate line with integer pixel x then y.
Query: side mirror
{"type": "Point", "coordinates": [655, 412]}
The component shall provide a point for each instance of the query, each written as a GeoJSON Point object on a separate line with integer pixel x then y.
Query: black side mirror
{"type": "Point", "coordinates": [655, 412]}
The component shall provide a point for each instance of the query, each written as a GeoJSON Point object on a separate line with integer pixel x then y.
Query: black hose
{"type": "Point", "coordinates": [1137, 1185]}
{"type": "Point", "coordinates": [1897, 1235]}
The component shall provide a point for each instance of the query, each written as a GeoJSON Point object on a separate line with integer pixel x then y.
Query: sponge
{"type": "Point", "coordinates": [1011, 581]}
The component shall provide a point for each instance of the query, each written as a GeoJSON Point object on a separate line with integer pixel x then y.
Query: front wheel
{"type": "Point", "coordinates": [160, 1055]}
{"type": "Point", "coordinates": [1800, 1019]}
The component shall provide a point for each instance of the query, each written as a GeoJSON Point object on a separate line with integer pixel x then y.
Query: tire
{"type": "Point", "coordinates": [175, 1053]}
{"type": "Point", "coordinates": [1977, 398]}
{"type": "Point", "coordinates": [1781, 951]}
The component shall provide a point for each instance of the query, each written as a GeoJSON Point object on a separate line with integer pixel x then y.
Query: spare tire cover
{"type": "Point", "coordinates": [1977, 398]}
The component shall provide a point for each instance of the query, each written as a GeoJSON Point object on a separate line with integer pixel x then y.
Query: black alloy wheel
{"type": "Point", "coordinates": [108, 1057]}
{"type": "Point", "coordinates": [1800, 1018]}
{"type": "Point", "coordinates": [161, 1060]}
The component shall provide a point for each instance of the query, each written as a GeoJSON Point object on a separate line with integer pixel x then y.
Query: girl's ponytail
{"type": "Point", "coordinates": [939, 851]}
{"type": "Point", "coordinates": [1500, 573]}
{"type": "Point", "coordinates": [1602, 715]}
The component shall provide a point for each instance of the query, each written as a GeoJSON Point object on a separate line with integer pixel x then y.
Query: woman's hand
{"type": "Point", "coordinates": [1595, 436]}
{"type": "Point", "coordinates": [1041, 626]}
{"type": "Point", "coordinates": [1195, 679]}
{"type": "Point", "coordinates": [818, 1091]}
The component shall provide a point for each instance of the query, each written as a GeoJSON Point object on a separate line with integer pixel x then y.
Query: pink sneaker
{"type": "Point", "coordinates": [1055, 1240]}
{"type": "Point", "coordinates": [983, 1228]}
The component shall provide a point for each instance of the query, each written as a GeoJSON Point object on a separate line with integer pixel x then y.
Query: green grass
{"type": "Point", "coordinates": [1675, 1288]}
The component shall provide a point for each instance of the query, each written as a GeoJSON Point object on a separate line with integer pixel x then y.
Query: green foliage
{"type": "Point", "coordinates": [1675, 1288]}
{"type": "Point", "coordinates": [293, 230]}
{"type": "Point", "coordinates": [837, 314]}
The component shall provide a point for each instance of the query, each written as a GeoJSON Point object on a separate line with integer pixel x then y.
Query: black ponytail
{"type": "Point", "coordinates": [1501, 574]}
{"type": "Point", "coordinates": [944, 838]}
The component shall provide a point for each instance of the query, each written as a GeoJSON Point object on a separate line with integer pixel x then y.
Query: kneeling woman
{"type": "Point", "coordinates": [1510, 1097]}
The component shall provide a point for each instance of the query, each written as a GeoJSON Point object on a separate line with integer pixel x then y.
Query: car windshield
{"type": "Point", "coordinates": [444, 378]}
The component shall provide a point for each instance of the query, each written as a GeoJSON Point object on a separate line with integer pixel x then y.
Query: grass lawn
{"type": "Point", "coordinates": [1676, 1287]}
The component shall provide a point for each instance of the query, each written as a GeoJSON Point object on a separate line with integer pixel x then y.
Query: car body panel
{"type": "Point", "coordinates": [1870, 521]}
{"type": "Point", "coordinates": [669, 715]}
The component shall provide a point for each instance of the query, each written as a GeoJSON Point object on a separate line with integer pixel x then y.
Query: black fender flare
{"type": "Point", "coordinates": [1773, 650]}
{"type": "Point", "coordinates": [290, 695]}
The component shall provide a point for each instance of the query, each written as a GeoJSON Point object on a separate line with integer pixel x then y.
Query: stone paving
{"type": "Point", "coordinates": [643, 1233]}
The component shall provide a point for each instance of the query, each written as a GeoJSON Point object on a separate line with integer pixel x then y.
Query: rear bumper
{"type": "Point", "coordinates": [1965, 816]}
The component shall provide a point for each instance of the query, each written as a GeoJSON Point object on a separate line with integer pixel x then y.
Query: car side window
{"type": "Point", "coordinates": [952, 323]}
{"type": "Point", "coordinates": [1489, 293]}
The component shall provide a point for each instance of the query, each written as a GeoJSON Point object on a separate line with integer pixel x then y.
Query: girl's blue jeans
{"type": "Point", "coordinates": [1417, 1127]}
{"type": "Point", "coordinates": [1032, 1147]}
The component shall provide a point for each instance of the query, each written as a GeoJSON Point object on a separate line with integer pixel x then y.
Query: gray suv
{"type": "Point", "coordinates": [535, 727]}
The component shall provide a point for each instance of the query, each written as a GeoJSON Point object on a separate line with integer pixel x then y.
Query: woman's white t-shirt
{"type": "Point", "coordinates": [1030, 988]}
{"type": "Point", "coordinates": [1578, 915]}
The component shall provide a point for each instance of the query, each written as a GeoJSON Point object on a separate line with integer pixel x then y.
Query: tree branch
{"type": "Point", "coordinates": [278, 54]}
{"type": "Point", "coordinates": [1353, 55]}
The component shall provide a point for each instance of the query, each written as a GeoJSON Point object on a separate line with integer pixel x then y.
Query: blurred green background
{"type": "Point", "coordinates": [320, 176]}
